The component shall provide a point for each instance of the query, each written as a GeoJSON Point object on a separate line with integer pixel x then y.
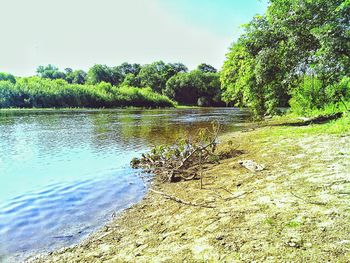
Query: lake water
{"type": "Point", "coordinates": [63, 173]}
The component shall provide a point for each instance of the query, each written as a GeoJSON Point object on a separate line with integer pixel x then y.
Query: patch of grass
{"type": "Point", "coordinates": [187, 107]}
{"type": "Point", "coordinates": [293, 224]}
{"type": "Point", "coordinates": [270, 221]}
{"type": "Point", "coordinates": [336, 127]}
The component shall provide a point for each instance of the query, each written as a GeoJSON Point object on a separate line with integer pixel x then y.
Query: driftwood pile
{"type": "Point", "coordinates": [184, 159]}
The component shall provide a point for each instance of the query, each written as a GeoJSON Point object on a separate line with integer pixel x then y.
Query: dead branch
{"type": "Point", "coordinates": [343, 193]}
{"type": "Point", "coordinates": [232, 195]}
{"type": "Point", "coordinates": [342, 181]}
{"type": "Point", "coordinates": [176, 199]}
{"type": "Point", "coordinates": [308, 201]}
{"type": "Point", "coordinates": [184, 159]}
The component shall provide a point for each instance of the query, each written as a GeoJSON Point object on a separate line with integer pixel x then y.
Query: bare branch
{"type": "Point", "coordinates": [176, 199]}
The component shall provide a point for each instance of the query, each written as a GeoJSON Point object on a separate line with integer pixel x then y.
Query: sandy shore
{"type": "Point", "coordinates": [296, 210]}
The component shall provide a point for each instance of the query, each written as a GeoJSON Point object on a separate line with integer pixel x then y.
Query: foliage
{"type": "Point", "coordinates": [131, 80]}
{"type": "Point", "coordinates": [308, 95]}
{"type": "Point", "coordinates": [340, 92]}
{"type": "Point", "coordinates": [50, 72]}
{"type": "Point", "coordinates": [157, 74]}
{"type": "Point", "coordinates": [102, 73]}
{"type": "Point", "coordinates": [7, 77]}
{"type": "Point", "coordinates": [294, 40]}
{"type": "Point", "coordinates": [127, 68]}
{"type": "Point", "coordinates": [206, 68]}
{"type": "Point", "coordinates": [45, 93]}
{"type": "Point", "coordinates": [202, 87]}
{"type": "Point", "coordinates": [313, 95]}
{"type": "Point", "coordinates": [195, 88]}
{"type": "Point", "coordinates": [75, 76]}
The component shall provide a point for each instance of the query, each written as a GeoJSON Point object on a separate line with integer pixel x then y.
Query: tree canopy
{"type": "Point", "coordinates": [7, 77]}
{"type": "Point", "coordinates": [292, 40]}
{"type": "Point", "coordinates": [50, 72]}
{"type": "Point", "coordinates": [156, 74]}
{"type": "Point", "coordinates": [195, 88]}
{"type": "Point", "coordinates": [198, 87]}
{"type": "Point", "coordinates": [206, 68]}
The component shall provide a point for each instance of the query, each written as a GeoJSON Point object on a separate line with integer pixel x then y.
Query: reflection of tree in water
{"type": "Point", "coordinates": [115, 130]}
{"type": "Point", "coordinates": [139, 128]}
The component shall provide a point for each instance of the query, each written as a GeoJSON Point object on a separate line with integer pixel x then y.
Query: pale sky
{"type": "Point", "coordinates": [81, 33]}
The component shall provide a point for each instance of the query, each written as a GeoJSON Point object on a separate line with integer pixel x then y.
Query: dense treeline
{"type": "Point", "coordinates": [297, 53]}
{"type": "Point", "coordinates": [123, 85]}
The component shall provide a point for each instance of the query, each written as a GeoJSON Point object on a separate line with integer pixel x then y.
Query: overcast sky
{"type": "Point", "coordinates": [81, 33]}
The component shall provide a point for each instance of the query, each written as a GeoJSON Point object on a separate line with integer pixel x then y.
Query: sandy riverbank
{"type": "Point", "coordinates": [297, 209]}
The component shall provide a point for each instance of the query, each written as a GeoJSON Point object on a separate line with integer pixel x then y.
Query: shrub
{"type": "Point", "coordinates": [309, 95]}
{"type": "Point", "coordinates": [313, 96]}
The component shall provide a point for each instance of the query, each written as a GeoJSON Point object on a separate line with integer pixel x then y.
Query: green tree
{"type": "Point", "coordinates": [127, 68]}
{"type": "Point", "coordinates": [75, 76]}
{"type": "Point", "coordinates": [276, 51]}
{"type": "Point", "coordinates": [174, 68]}
{"type": "Point", "coordinates": [206, 68]}
{"type": "Point", "coordinates": [131, 80]}
{"type": "Point", "coordinates": [195, 88]}
{"type": "Point", "coordinates": [50, 72]}
{"type": "Point", "coordinates": [156, 75]}
{"type": "Point", "coordinates": [102, 73]}
{"type": "Point", "coordinates": [7, 77]}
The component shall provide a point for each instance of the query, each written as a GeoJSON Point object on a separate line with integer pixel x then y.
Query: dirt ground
{"type": "Point", "coordinates": [295, 210]}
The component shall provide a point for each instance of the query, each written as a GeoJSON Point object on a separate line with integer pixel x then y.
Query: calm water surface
{"type": "Point", "coordinates": [64, 173]}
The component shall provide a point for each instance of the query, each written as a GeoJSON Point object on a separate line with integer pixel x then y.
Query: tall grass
{"type": "Point", "coordinates": [35, 92]}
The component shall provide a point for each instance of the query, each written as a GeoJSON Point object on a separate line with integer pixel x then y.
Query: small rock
{"type": "Point", "coordinates": [219, 237]}
{"type": "Point", "coordinates": [138, 243]}
{"type": "Point", "coordinates": [308, 245]}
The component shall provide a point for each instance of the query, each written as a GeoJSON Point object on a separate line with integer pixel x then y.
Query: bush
{"type": "Point", "coordinates": [313, 96]}
{"type": "Point", "coordinates": [309, 95]}
{"type": "Point", "coordinates": [339, 93]}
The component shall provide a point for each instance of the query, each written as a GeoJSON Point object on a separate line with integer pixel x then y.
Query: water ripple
{"type": "Point", "coordinates": [63, 173]}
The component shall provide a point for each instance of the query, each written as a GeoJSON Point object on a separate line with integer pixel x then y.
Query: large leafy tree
{"type": "Point", "coordinates": [78, 76]}
{"type": "Point", "coordinates": [127, 68]}
{"type": "Point", "coordinates": [195, 88]}
{"type": "Point", "coordinates": [75, 76]}
{"type": "Point", "coordinates": [154, 75]}
{"type": "Point", "coordinates": [102, 73]}
{"type": "Point", "coordinates": [157, 74]}
{"type": "Point", "coordinates": [276, 51]}
{"type": "Point", "coordinates": [174, 68]}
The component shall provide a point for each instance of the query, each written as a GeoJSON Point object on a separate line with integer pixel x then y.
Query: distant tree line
{"type": "Point", "coordinates": [200, 87]}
